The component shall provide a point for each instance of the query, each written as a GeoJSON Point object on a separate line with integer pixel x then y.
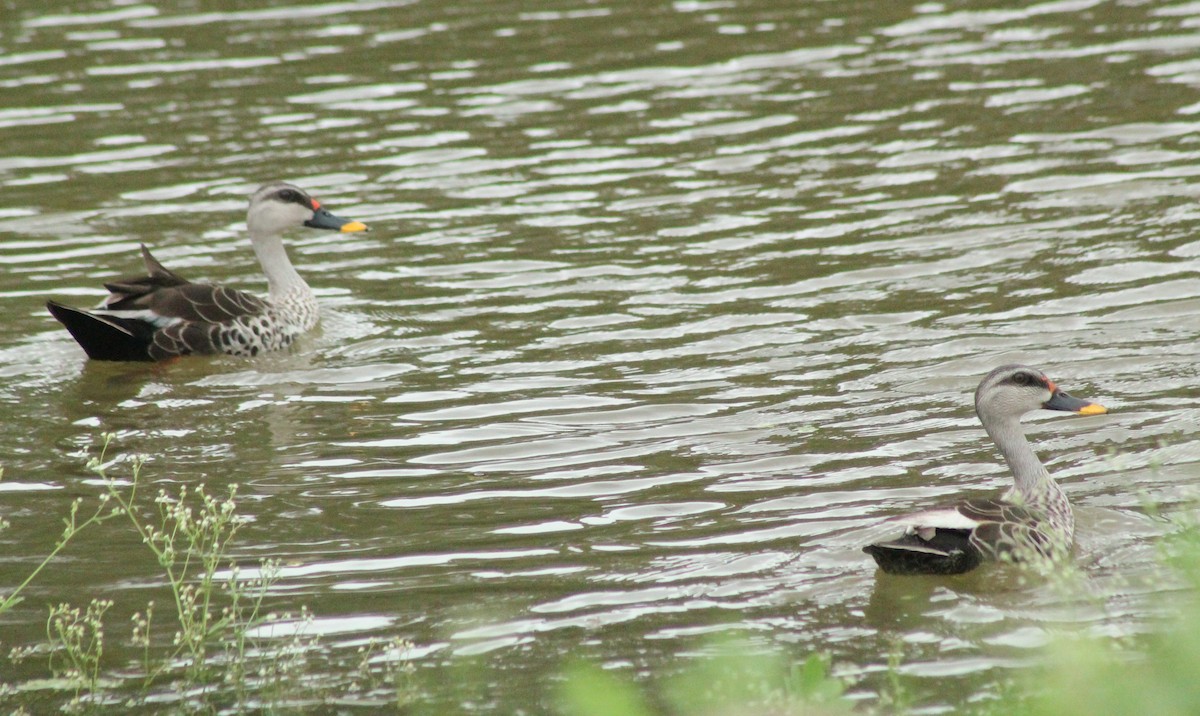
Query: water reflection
{"type": "Point", "coordinates": [665, 308]}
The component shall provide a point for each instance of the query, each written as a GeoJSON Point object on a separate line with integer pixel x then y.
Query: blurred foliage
{"type": "Point", "coordinates": [1157, 673]}
{"type": "Point", "coordinates": [732, 678]}
{"type": "Point", "coordinates": [1152, 674]}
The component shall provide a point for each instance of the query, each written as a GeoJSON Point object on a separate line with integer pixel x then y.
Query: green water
{"type": "Point", "coordinates": [665, 306]}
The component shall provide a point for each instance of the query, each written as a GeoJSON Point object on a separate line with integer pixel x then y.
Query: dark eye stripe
{"type": "Point", "coordinates": [1026, 379]}
{"type": "Point", "coordinates": [291, 196]}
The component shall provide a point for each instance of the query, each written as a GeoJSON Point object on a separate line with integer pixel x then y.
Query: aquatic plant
{"type": "Point", "coordinates": [1133, 675]}
{"type": "Point", "coordinates": [72, 526]}
{"type": "Point", "coordinates": [217, 647]}
{"type": "Point", "coordinates": [221, 633]}
{"type": "Point", "coordinates": [77, 645]}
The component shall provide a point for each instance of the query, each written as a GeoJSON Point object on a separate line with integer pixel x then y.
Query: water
{"type": "Point", "coordinates": [663, 309]}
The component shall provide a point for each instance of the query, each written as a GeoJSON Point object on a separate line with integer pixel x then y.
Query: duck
{"type": "Point", "coordinates": [162, 315]}
{"type": "Point", "coordinates": [1032, 519]}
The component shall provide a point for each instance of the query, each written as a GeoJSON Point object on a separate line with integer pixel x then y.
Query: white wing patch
{"type": "Point", "coordinates": [144, 315]}
{"type": "Point", "coordinates": [923, 523]}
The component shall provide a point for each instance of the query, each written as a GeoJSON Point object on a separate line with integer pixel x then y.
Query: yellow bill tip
{"type": "Point", "coordinates": [1093, 409]}
{"type": "Point", "coordinates": [353, 226]}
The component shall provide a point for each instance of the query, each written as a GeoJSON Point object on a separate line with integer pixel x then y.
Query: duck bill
{"type": "Point", "coordinates": [322, 219]}
{"type": "Point", "coordinates": [1064, 401]}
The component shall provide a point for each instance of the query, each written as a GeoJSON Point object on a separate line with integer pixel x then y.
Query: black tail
{"type": "Point", "coordinates": [949, 552]}
{"type": "Point", "coordinates": [105, 337]}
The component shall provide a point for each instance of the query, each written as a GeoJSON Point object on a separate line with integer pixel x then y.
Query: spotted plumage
{"type": "Point", "coordinates": [1033, 518]}
{"type": "Point", "coordinates": [161, 314]}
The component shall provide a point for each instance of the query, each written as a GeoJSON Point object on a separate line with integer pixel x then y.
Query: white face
{"type": "Point", "coordinates": [271, 214]}
{"type": "Point", "coordinates": [1014, 391]}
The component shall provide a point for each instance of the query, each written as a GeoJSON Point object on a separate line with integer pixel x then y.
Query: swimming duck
{"type": "Point", "coordinates": [1031, 518]}
{"type": "Point", "coordinates": [162, 315]}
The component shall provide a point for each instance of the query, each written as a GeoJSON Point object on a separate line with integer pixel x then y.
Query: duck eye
{"type": "Point", "coordinates": [1023, 379]}
{"type": "Point", "coordinates": [289, 196]}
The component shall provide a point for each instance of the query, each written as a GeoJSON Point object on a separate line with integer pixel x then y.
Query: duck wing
{"type": "Point", "coordinates": [161, 315]}
{"type": "Point", "coordinates": [958, 538]}
{"type": "Point", "coordinates": [163, 298]}
{"type": "Point", "coordinates": [1008, 530]}
{"type": "Point", "coordinates": [157, 277]}
{"type": "Point", "coordinates": [192, 302]}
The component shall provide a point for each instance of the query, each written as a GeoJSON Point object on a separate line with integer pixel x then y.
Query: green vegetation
{"type": "Point", "coordinates": [216, 614]}
{"type": "Point", "coordinates": [216, 646]}
{"type": "Point", "coordinates": [1150, 674]}
{"type": "Point", "coordinates": [77, 643]}
{"type": "Point", "coordinates": [1154, 673]}
{"type": "Point", "coordinates": [72, 528]}
{"type": "Point", "coordinates": [734, 678]}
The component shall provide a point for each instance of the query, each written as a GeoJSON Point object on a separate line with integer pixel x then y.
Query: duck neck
{"type": "Point", "coordinates": [282, 278]}
{"type": "Point", "coordinates": [1032, 479]}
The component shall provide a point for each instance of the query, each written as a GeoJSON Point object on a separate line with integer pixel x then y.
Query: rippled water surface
{"type": "Point", "coordinates": [664, 307]}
